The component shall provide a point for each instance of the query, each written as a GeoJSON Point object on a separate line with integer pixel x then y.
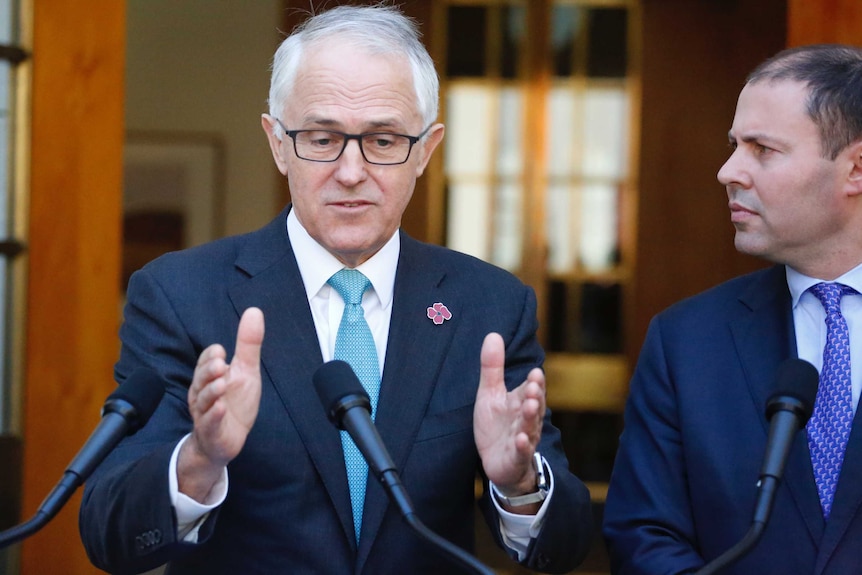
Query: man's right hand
{"type": "Point", "coordinates": [223, 401]}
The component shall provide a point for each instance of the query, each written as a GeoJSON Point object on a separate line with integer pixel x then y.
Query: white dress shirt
{"type": "Point", "coordinates": [316, 266]}
{"type": "Point", "coordinates": [809, 319]}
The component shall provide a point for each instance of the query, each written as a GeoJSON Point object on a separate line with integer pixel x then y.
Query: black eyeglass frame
{"type": "Point", "coordinates": [358, 137]}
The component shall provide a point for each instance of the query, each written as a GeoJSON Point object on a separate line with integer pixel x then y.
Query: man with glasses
{"type": "Point", "coordinates": [239, 470]}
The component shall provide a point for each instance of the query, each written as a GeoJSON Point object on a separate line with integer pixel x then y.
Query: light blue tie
{"type": "Point", "coordinates": [829, 426]}
{"type": "Point", "coordinates": [355, 345]}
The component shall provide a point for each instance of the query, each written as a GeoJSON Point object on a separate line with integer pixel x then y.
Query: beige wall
{"type": "Point", "coordinates": [199, 66]}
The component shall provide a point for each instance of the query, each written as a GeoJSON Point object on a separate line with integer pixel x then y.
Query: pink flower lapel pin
{"type": "Point", "coordinates": [438, 313]}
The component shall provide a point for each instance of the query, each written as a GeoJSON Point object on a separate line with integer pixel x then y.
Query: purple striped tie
{"type": "Point", "coordinates": [829, 426]}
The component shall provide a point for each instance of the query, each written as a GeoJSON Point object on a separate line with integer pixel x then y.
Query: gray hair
{"type": "Point", "coordinates": [378, 29]}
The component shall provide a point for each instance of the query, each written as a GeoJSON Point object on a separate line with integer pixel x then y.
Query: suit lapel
{"type": "Point", "coordinates": [760, 353]}
{"type": "Point", "coordinates": [291, 352]}
{"type": "Point", "coordinates": [415, 352]}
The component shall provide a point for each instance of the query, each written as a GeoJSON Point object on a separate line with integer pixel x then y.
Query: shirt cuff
{"type": "Point", "coordinates": [518, 530]}
{"type": "Point", "coordinates": [190, 513]}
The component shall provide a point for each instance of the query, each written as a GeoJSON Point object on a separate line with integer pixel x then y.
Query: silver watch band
{"type": "Point", "coordinates": [539, 495]}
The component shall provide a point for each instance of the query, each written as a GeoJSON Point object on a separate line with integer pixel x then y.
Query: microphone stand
{"type": "Point", "coordinates": [768, 484]}
{"type": "Point", "coordinates": [742, 547]}
{"type": "Point", "coordinates": [787, 412]}
{"type": "Point", "coordinates": [348, 407]}
{"type": "Point", "coordinates": [398, 495]}
{"type": "Point", "coordinates": [47, 510]}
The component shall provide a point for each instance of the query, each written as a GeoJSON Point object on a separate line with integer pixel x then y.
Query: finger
{"type": "Point", "coordinates": [207, 396]}
{"type": "Point", "coordinates": [249, 338]}
{"type": "Point", "coordinates": [537, 375]}
{"type": "Point", "coordinates": [493, 360]}
{"type": "Point", "coordinates": [212, 352]}
{"type": "Point", "coordinates": [211, 365]}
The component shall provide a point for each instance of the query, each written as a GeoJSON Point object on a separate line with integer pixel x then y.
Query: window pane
{"type": "Point", "coordinates": [510, 160]}
{"type": "Point", "coordinates": [508, 208]}
{"type": "Point", "coordinates": [605, 133]}
{"type": "Point", "coordinates": [7, 17]}
{"type": "Point", "coordinates": [469, 166]}
{"type": "Point", "coordinates": [468, 217]}
{"type": "Point", "coordinates": [584, 317]}
{"type": "Point", "coordinates": [512, 23]}
{"type": "Point", "coordinates": [566, 23]}
{"type": "Point", "coordinates": [465, 41]}
{"type": "Point", "coordinates": [563, 121]}
{"type": "Point", "coordinates": [467, 146]}
{"type": "Point", "coordinates": [508, 223]}
{"type": "Point", "coordinates": [598, 243]}
{"type": "Point", "coordinates": [5, 181]}
{"type": "Point", "coordinates": [6, 134]}
{"type": "Point", "coordinates": [563, 225]}
{"type": "Point", "coordinates": [607, 53]}
{"type": "Point", "coordinates": [9, 35]}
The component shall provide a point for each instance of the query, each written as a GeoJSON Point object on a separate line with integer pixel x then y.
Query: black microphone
{"type": "Point", "coordinates": [348, 407]}
{"type": "Point", "coordinates": [125, 411]}
{"type": "Point", "coordinates": [787, 411]}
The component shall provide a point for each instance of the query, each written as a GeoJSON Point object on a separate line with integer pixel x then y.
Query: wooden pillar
{"type": "Point", "coordinates": [824, 21]}
{"type": "Point", "coordinates": [73, 255]}
{"type": "Point", "coordinates": [534, 264]}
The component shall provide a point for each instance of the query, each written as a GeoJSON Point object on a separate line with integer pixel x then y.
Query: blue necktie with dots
{"type": "Point", "coordinates": [355, 345]}
{"type": "Point", "coordinates": [829, 426]}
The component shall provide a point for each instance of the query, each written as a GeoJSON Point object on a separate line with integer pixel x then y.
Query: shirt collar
{"type": "Point", "coordinates": [800, 283]}
{"type": "Point", "coordinates": [317, 265]}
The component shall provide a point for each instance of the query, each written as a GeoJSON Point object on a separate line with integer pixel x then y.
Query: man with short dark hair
{"type": "Point", "coordinates": [683, 487]}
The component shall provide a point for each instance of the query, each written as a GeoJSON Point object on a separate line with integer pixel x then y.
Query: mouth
{"type": "Point", "coordinates": [351, 204]}
{"type": "Point", "coordinates": [739, 213]}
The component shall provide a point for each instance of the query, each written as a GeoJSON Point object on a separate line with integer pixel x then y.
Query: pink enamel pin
{"type": "Point", "coordinates": [438, 313]}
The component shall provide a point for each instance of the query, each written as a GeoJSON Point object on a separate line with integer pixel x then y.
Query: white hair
{"type": "Point", "coordinates": [377, 29]}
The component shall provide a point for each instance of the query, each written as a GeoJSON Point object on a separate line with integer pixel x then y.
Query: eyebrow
{"type": "Point", "coordinates": [328, 123]}
{"type": "Point", "coordinates": [756, 137]}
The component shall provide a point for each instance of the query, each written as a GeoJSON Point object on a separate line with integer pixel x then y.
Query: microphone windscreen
{"type": "Point", "coordinates": [333, 381]}
{"type": "Point", "coordinates": [143, 390]}
{"type": "Point", "coordinates": [797, 379]}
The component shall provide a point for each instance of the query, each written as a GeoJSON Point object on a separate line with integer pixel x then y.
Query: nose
{"type": "Point", "coordinates": [351, 167]}
{"type": "Point", "coordinates": [732, 172]}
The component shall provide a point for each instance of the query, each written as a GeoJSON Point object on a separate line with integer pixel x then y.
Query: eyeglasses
{"type": "Point", "coordinates": [381, 148]}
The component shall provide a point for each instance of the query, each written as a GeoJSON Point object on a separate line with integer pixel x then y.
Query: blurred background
{"type": "Point", "coordinates": [582, 142]}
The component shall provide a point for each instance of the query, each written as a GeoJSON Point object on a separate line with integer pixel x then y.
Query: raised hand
{"type": "Point", "coordinates": [507, 424]}
{"type": "Point", "coordinates": [223, 402]}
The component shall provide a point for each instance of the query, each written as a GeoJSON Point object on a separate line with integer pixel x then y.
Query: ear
{"type": "Point", "coordinates": [276, 145]}
{"type": "Point", "coordinates": [427, 145]}
{"type": "Point", "coordinates": [854, 179]}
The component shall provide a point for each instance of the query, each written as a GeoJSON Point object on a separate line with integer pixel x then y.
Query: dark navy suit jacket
{"type": "Point", "coordinates": [287, 508]}
{"type": "Point", "coordinates": [684, 483]}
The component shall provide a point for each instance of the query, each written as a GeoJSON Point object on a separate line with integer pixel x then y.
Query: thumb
{"type": "Point", "coordinates": [493, 361]}
{"type": "Point", "coordinates": [249, 338]}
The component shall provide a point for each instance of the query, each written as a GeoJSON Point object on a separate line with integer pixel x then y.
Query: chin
{"type": "Point", "coordinates": [750, 246]}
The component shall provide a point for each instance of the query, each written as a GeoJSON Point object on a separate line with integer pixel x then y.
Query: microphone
{"type": "Point", "coordinates": [787, 411]}
{"type": "Point", "coordinates": [348, 407]}
{"type": "Point", "coordinates": [125, 411]}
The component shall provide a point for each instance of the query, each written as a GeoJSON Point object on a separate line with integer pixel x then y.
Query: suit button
{"type": "Point", "coordinates": [148, 539]}
{"type": "Point", "coordinates": [542, 561]}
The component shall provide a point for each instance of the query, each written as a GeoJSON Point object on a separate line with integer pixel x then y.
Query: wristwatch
{"type": "Point", "coordinates": [539, 495]}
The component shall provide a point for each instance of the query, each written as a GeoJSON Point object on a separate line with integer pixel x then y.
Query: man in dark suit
{"type": "Point", "coordinates": [239, 470]}
{"type": "Point", "coordinates": [684, 485]}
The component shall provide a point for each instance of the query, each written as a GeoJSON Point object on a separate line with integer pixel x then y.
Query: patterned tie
{"type": "Point", "coordinates": [355, 345]}
{"type": "Point", "coordinates": [829, 426]}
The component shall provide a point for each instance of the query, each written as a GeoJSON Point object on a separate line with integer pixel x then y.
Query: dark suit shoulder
{"type": "Point", "coordinates": [749, 291]}
{"type": "Point", "coordinates": [249, 252]}
{"type": "Point", "coordinates": [455, 264]}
